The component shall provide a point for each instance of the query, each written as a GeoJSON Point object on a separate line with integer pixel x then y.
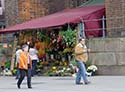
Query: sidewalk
{"type": "Point", "coordinates": [65, 84]}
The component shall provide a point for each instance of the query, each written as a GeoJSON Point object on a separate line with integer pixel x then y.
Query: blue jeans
{"type": "Point", "coordinates": [81, 72]}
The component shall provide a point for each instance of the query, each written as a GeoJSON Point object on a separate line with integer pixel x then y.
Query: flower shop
{"type": "Point", "coordinates": [55, 46]}
{"type": "Point", "coordinates": [55, 36]}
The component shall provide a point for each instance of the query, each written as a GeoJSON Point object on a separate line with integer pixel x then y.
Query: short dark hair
{"type": "Point", "coordinates": [25, 45]}
{"type": "Point", "coordinates": [31, 46]}
{"type": "Point", "coordinates": [81, 39]}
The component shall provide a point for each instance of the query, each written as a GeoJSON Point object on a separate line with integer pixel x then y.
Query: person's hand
{"type": "Point", "coordinates": [88, 50]}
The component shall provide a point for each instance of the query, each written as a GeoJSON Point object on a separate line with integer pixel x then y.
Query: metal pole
{"type": "Point", "coordinates": [103, 26]}
{"type": "Point", "coordinates": [82, 29]}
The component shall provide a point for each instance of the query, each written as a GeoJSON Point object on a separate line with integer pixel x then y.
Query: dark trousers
{"type": "Point", "coordinates": [24, 73]}
{"type": "Point", "coordinates": [18, 73]}
{"type": "Point", "coordinates": [34, 63]}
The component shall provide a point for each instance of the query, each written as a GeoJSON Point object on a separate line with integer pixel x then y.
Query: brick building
{"type": "Point", "coordinates": [115, 11]}
{"type": "Point", "coordinates": [2, 17]}
{"type": "Point", "coordinates": [18, 11]}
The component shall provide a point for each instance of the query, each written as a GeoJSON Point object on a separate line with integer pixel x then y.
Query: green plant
{"type": "Point", "coordinates": [41, 35]}
{"type": "Point", "coordinates": [73, 62]}
{"type": "Point", "coordinates": [88, 63]}
{"type": "Point", "coordinates": [4, 52]}
{"type": "Point", "coordinates": [69, 37]}
{"type": "Point", "coordinates": [7, 64]}
{"type": "Point", "coordinates": [14, 71]}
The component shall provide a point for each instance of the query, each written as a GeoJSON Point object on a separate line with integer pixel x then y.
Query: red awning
{"type": "Point", "coordinates": [61, 18]}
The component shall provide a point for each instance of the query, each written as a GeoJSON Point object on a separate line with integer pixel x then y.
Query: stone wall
{"type": "Point", "coordinates": [108, 54]}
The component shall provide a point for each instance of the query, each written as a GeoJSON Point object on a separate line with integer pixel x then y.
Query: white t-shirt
{"type": "Point", "coordinates": [33, 54]}
{"type": "Point", "coordinates": [18, 54]}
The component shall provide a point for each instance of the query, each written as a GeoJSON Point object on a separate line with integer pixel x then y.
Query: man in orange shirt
{"type": "Point", "coordinates": [25, 66]}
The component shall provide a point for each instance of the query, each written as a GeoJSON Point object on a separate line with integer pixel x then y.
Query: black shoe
{"type": "Point", "coordinates": [87, 83]}
{"type": "Point", "coordinates": [30, 87]}
{"type": "Point", "coordinates": [79, 83]}
{"type": "Point", "coordinates": [18, 86]}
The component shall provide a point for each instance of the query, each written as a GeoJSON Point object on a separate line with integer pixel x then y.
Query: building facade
{"type": "Point", "coordinates": [115, 11]}
{"type": "Point", "coordinates": [2, 15]}
{"type": "Point", "coordinates": [18, 11]}
{"type": "Point", "coordinates": [109, 53]}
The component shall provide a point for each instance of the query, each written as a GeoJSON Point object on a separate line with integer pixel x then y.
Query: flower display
{"type": "Point", "coordinates": [92, 69]}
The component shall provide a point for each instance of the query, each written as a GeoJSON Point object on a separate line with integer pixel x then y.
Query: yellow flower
{"type": "Point", "coordinates": [54, 68]}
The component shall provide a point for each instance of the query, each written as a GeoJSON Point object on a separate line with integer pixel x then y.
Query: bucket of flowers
{"type": "Point", "coordinates": [91, 70]}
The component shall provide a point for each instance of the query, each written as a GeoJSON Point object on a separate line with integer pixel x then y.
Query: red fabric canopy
{"type": "Point", "coordinates": [61, 18]}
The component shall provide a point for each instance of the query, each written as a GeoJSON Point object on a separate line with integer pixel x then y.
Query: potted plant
{"type": "Point", "coordinates": [92, 69]}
